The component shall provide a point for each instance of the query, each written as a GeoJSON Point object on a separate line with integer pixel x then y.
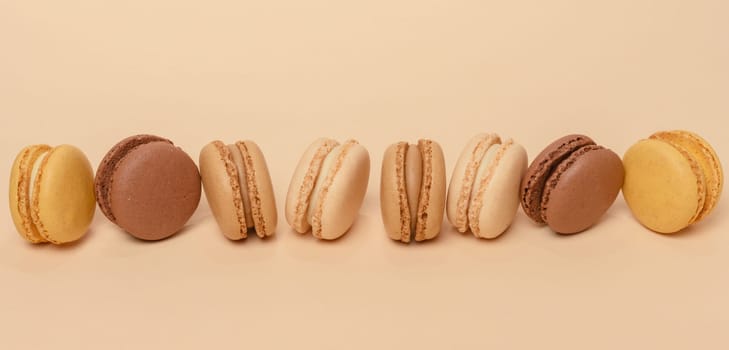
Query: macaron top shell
{"type": "Point", "coordinates": [581, 189]}
{"type": "Point", "coordinates": [536, 176]}
{"type": "Point", "coordinates": [60, 197]}
{"type": "Point", "coordinates": [103, 180]}
{"type": "Point", "coordinates": [664, 187]}
{"type": "Point", "coordinates": [148, 187]}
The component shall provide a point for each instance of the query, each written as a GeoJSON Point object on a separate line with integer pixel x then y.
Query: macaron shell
{"type": "Point", "coordinates": [582, 189]}
{"type": "Point", "coordinates": [662, 187]}
{"type": "Point", "coordinates": [260, 189]}
{"type": "Point", "coordinates": [463, 176]}
{"type": "Point", "coordinates": [393, 199]}
{"type": "Point", "coordinates": [704, 154]}
{"type": "Point", "coordinates": [302, 183]}
{"type": "Point", "coordinates": [532, 185]}
{"type": "Point", "coordinates": [343, 198]}
{"type": "Point", "coordinates": [501, 198]}
{"type": "Point", "coordinates": [220, 193]}
{"type": "Point", "coordinates": [155, 190]}
{"type": "Point", "coordinates": [105, 171]}
{"type": "Point", "coordinates": [432, 193]}
{"type": "Point", "coordinates": [20, 177]}
{"type": "Point", "coordinates": [64, 203]}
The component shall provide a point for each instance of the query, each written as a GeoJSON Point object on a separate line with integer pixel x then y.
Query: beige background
{"type": "Point", "coordinates": [284, 72]}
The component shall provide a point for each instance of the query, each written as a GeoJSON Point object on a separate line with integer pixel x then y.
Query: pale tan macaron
{"type": "Point", "coordinates": [327, 188]}
{"type": "Point", "coordinates": [52, 194]}
{"type": "Point", "coordinates": [412, 190]}
{"type": "Point", "coordinates": [238, 188]}
{"type": "Point", "coordinates": [483, 194]}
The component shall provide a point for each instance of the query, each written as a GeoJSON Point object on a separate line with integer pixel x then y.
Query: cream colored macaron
{"type": "Point", "coordinates": [412, 190]}
{"type": "Point", "coordinates": [327, 188]}
{"type": "Point", "coordinates": [238, 188]}
{"type": "Point", "coordinates": [52, 194]}
{"type": "Point", "coordinates": [483, 194]}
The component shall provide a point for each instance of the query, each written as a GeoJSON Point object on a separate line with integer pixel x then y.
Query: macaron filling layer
{"type": "Point", "coordinates": [478, 153]}
{"type": "Point", "coordinates": [31, 223]}
{"type": "Point", "coordinates": [329, 169]}
{"type": "Point", "coordinates": [485, 173]}
{"type": "Point", "coordinates": [301, 220]}
{"type": "Point", "coordinates": [240, 167]}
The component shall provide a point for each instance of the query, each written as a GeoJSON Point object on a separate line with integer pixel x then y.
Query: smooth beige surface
{"type": "Point", "coordinates": [284, 72]}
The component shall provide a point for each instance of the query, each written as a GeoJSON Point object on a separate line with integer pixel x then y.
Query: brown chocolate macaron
{"type": "Point", "coordinates": [571, 184]}
{"type": "Point", "coordinates": [147, 186]}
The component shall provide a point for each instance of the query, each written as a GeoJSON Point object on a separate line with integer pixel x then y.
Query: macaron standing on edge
{"type": "Point", "coordinates": [571, 184]}
{"type": "Point", "coordinates": [238, 188]}
{"type": "Point", "coordinates": [147, 186]}
{"type": "Point", "coordinates": [51, 194]}
{"type": "Point", "coordinates": [327, 188]}
{"type": "Point", "coordinates": [673, 179]}
{"type": "Point", "coordinates": [413, 190]}
{"type": "Point", "coordinates": [483, 194]}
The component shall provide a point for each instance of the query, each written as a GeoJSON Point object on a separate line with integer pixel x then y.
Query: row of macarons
{"type": "Point", "coordinates": [150, 188]}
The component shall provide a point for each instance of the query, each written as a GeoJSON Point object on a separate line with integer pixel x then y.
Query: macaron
{"type": "Point", "coordinates": [238, 188]}
{"type": "Point", "coordinates": [483, 195]}
{"type": "Point", "coordinates": [327, 188]}
{"type": "Point", "coordinates": [51, 194]}
{"type": "Point", "coordinates": [571, 184]}
{"type": "Point", "coordinates": [413, 190]}
{"type": "Point", "coordinates": [672, 180]}
{"type": "Point", "coordinates": [148, 187]}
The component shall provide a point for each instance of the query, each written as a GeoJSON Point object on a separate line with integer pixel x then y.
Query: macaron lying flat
{"type": "Point", "coordinates": [412, 191]}
{"type": "Point", "coordinates": [483, 194]}
{"type": "Point", "coordinates": [148, 186]}
{"type": "Point", "coordinates": [51, 194]}
{"type": "Point", "coordinates": [238, 188]}
{"type": "Point", "coordinates": [571, 184]}
{"type": "Point", "coordinates": [672, 180]}
{"type": "Point", "coordinates": [327, 188]}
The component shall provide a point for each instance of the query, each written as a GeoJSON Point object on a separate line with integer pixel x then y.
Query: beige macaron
{"type": "Point", "coordinates": [413, 190]}
{"type": "Point", "coordinates": [327, 188]}
{"type": "Point", "coordinates": [483, 194]}
{"type": "Point", "coordinates": [238, 188]}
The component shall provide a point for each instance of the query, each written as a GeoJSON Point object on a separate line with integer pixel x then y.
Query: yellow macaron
{"type": "Point", "coordinates": [51, 193]}
{"type": "Point", "coordinates": [672, 180]}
